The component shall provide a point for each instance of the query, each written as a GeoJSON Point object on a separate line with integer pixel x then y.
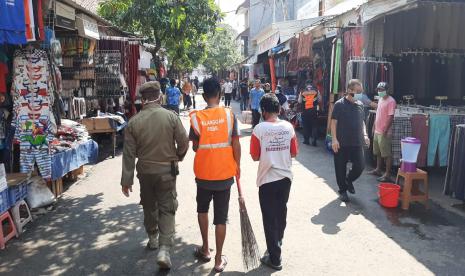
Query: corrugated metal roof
{"type": "Point", "coordinates": [90, 5]}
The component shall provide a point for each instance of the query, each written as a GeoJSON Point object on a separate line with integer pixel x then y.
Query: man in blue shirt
{"type": "Point", "coordinates": [256, 95]}
{"type": "Point", "coordinates": [173, 97]}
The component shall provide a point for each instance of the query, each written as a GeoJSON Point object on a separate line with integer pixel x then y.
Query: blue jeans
{"type": "Point", "coordinates": [439, 137]}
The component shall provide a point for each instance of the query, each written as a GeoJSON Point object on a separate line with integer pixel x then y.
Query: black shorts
{"type": "Point", "coordinates": [220, 204]}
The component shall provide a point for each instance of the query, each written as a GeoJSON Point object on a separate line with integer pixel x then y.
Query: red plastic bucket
{"type": "Point", "coordinates": [388, 194]}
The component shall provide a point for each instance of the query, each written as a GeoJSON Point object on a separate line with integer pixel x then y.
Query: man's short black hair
{"type": "Point", "coordinates": [269, 103]}
{"type": "Point", "coordinates": [211, 88]}
{"type": "Point", "coordinates": [173, 82]}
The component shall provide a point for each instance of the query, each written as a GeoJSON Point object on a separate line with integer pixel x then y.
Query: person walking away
{"type": "Point", "coordinates": [215, 136]}
{"type": "Point", "coordinates": [234, 90]}
{"type": "Point", "coordinates": [382, 141]}
{"type": "Point", "coordinates": [157, 138]}
{"type": "Point", "coordinates": [349, 136]}
{"type": "Point", "coordinates": [228, 89]}
{"type": "Point", "coordinates": [309, 98]}
{"type": "Point", "coordinates": [186, 90]}
{"type": "Point", "coordinates": [173, 97]}
{"type": "Point", "coordinates": [194, 93]}
{"type": "Point", "coordinates": [196, 82]}
{"type": "Point", "coordinates": [255, 96]}
{"type": "Point", "coordinates": [274, 175]}
{"type": "Point", "coordinates": [244, 94]}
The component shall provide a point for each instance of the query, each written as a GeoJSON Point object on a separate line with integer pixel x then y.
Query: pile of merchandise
{"type": "Point", "coordinates": [69, 134]}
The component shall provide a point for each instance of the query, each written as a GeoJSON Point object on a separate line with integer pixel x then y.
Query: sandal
{"type": "Point", "coordinates": [375, 173]}
{"type": "Point", "coordinates": [224, 262]}
{"type": "Point", "coordinates": [201, 256]}
{"type": "Point", "coordinates": [384, 179]}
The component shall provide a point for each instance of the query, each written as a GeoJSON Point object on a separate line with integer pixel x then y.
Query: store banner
{"type": "Point", "coordinates": [65, 16]}
{"type": "Point", "coordinates": [87, 26]}
{"type": "Point", "coordinates": [268, 43]}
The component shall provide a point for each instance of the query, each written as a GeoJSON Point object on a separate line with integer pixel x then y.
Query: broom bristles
{"type": "Point", "coordinates": [250, 251]}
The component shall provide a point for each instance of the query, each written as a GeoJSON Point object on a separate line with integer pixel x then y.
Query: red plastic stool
{"type": "Point", "coordinates": [11, 229]}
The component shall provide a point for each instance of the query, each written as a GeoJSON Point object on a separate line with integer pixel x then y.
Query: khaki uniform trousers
{"type": "Point", "coordinates": [158, 198]}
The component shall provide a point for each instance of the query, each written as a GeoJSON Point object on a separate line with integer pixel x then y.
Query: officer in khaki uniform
{"type": "Point", "coordinates": [157, 138]}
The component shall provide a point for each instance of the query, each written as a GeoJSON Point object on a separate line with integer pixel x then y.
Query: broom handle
{"type": "Point", "coordinates": [239, 189]}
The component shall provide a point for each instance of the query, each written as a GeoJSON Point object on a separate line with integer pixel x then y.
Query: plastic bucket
{"type": "Point", "coordinates": [388, 194]}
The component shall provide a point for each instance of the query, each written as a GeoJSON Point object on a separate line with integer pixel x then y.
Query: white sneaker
{"type": "Point", "coordinates": [163, 258]}
{"type": "Point", "coordinates": [152, 244]}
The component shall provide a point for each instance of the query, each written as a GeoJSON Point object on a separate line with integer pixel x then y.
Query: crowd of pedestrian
{"type": "Point", "coordinates": [214, 134]}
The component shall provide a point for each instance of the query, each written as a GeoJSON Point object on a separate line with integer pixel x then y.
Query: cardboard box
{"type": "Point", "coordinates": [97, 123]}
{"type": "Point", "coordinates": [88, 123]}
{"type": "Point", "coordinates": [102, 123]}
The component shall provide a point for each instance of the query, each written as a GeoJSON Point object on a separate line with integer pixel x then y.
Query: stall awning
{"type": "Point", "coordinates": [373, 9]}
{"type": "Point", "coordinates": [283, 31]}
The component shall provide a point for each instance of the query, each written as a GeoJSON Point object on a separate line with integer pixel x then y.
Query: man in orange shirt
{"type": "Point", "coordinates": [215, 138]}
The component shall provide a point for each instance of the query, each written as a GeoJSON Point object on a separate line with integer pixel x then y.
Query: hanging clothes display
{"type": "Point", "coordinates": [439, 136]}
{"type": "Point", "coordinates": [337, 66]}
{"type": "Point", "coordinates": [370, 73]}
{"type": "Point", "coordinates": [293, 55]}
{"type": "Point", "coordinates": [420, 130]}
{"type": "Point", "coordinates": [353, 47]}
{"type": "Point", "coordinates": [12, 23]}
{"type": "Point", "coordinates": [3, 72]}
{"type": "Point", "coordinates": [455, 176]}
{"type": "Point", "coordinates": [401, 128]}
{"type": "Point", "coordinates": [32, 93]}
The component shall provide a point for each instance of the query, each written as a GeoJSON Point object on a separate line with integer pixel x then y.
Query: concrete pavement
{"type": "Point", "coordinates": [95, 230]}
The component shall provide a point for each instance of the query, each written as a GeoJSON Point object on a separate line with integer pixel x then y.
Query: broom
{"type": "Point", "coordinates": [250, 251]}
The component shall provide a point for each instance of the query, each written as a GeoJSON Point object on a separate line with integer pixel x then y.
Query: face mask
{"type": "Point", "coordinates": [382, 94]}
{"type": "Point", "coordinates": [358, 97]}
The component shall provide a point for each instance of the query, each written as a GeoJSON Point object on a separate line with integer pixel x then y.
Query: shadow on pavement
{"type": "Point", "coordinates": [431, 236]}
{"type": "Point", "coordinates": [109, 242]}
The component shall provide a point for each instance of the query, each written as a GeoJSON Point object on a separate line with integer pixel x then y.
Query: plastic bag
{"type": "Point", "coordinates": [39, 195]}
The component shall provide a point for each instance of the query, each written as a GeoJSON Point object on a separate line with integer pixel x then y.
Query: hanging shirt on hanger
{"type": "Point", "coordinates": [12, 24]}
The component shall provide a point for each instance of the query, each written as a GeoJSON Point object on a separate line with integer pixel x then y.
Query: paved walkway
{"type": "Point", "coordinates": [95, 230]}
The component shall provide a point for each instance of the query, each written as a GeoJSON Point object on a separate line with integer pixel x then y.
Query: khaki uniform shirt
{"type": "Point", "coordinates": [155, 137]}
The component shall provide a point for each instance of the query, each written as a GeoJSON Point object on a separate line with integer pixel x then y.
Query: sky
{"type": "Point", "coordinates": [231, 18]}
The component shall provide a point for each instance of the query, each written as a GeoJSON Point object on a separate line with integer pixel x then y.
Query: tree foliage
{"type": "Point", "coordinates": [222, 50]}
{"type": "Point", "coordinates": [179, 26]}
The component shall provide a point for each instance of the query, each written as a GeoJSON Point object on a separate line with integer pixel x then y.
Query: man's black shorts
{"type": "Point", "coordinates": [220, 203]}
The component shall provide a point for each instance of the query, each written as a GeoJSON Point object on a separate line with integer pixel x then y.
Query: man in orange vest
{"type": "Point", "coordinates": [215, 138]}
{"type": "Point", "coordinates": [309, 98]}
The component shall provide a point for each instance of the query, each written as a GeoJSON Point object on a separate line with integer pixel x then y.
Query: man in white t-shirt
{"type": "Point", "coordinates": [228, 89]}
{"type": "Point", "coordinates": [274, 144]}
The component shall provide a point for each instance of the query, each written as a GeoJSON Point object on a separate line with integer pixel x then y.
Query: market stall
{"type": "Point", "coordinates": [52, 74]}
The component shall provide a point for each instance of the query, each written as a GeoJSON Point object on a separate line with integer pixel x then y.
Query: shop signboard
{"type": "Point", "coordinates": [87, 27]}
{"type": "Point", "coordinates": [331, 29]}
{"type": "Point", "coordinates": [65, 16]}
{"type": "Point", "coordinates": [268, 43]}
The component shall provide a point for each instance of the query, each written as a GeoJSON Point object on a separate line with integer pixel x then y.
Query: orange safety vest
{"type": "Point", "coordinates": [214, 159]}
{"type": "Point", "coordinates": [309, 101]}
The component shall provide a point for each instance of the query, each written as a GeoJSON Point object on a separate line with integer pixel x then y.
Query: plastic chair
{"type": "Point", "coordinates": [4, 238]}
{"type": "Point", "coordinates": [16, 213]}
